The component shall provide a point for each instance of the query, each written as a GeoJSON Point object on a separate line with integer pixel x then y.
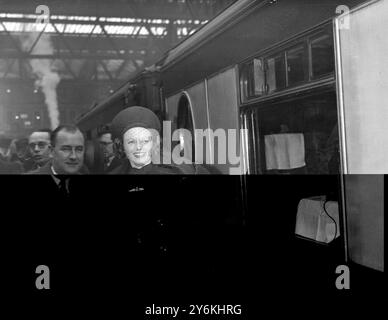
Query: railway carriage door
{"type": "Point", "coordinates": [223, 121]}
{"type": "Point", "coordinates": [185, 121]}
{"type": "Point", "coordinates": [293, 135]}
{"type": "Point", "coordinates": [362, 64]}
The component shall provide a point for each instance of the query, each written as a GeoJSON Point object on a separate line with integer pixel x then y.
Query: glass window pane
{"type": "Point", "coordinates": [322, 54]}
{"type": "Point", "coordinates": [252, 79]}
{"type": "Point", "coordinates": [296, 65]}
{"type": "Point", "coordinates": [299, 136]}
{"type": "Point", "coordinates": [244, 82]}
{"type": "Point", "coordinates": [276, 74]}
{"type": "Point", "coordinates": [258, 77]}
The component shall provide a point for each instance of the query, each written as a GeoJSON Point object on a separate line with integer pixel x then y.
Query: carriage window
{"type": "Point", "coordinates": [296, 65]}
{"type": "Point", "coordinates": [252, 79]}
{"type": "Point", "coordinates": [304, 60]}
{"type": "Point", "coordinates": [299, 136]}
{"type": "Point", "coordinates": [276, 74]}
{"type": "Point", "coordinates": [322, 55]}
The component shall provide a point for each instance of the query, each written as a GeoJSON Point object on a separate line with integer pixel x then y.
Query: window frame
{"type": "Point", "coordinates": [309, 78]}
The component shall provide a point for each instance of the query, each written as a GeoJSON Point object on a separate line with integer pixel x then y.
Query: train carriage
{"type": "Point", "coordinates": [302, 86]}
{"type": "Point", "coordinates": [269, 68]}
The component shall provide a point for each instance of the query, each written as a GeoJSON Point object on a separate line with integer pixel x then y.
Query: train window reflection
{"type": "Point", "coordinates": [252, 79]}
{"type": "Point", "coordinates": [322, 55]}
{"type": "Point", "coordinates": [299, 136]}
{"type": "Point", "coordinates": [296, 65]}
{"type": "Point", "coordinates": [244, 79]}
{"type": "Point", "coordinates": [258, 76]}
{"type": "Point", "coordinates": [276, 75]}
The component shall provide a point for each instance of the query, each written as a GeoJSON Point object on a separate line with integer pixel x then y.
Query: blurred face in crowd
{"type": "Point", "coordinates": [22, 149]}
{"type": "Point", "coordinates": [22, 153]}
{"type": "Point", "coordinates": [68, 152]}
{"type": "Point", "coordinates": [39, 145]}
{"type": "Point", "coordinates": [138, 145]}
{"type": "Point", "coordinates": [107, 145]}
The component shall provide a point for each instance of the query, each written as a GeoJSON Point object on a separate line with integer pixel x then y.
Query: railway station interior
{"type": "Point", "coordinates": [281, 173]}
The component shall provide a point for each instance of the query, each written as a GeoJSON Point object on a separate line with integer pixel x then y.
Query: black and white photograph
{"type": "Point", "coordinates": [179, 159]}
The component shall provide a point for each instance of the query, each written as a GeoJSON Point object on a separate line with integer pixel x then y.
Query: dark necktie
{"type": "Point", "coordinates": [63, 185]}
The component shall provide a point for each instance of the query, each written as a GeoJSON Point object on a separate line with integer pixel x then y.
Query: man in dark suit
{"type": "Point", "coordinates": [67, 152]}
{"type": "Point", "coordinates": [55, 217]}
{"type": "Point", "coordinates": [111, 161]}
{"type": "Point", "coordinates": [39, 147]}
{"type": "Point", "coordinates": [67, 145]}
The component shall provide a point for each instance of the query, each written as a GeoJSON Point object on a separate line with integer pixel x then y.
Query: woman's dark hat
{"type": "Point", "coordinates": [134, 117]}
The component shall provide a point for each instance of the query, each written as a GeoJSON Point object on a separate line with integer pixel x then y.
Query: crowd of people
{"type": "Point", "coordinates": [127, 146]}
{"type": "Point", "coordinates": [155, 227]}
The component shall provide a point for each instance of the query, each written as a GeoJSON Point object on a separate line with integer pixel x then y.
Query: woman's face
{"type": "Point", "coordinates": [138, 144]}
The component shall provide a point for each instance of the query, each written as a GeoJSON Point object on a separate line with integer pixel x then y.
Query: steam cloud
{"type": "Point", "coordinates": [47, 78]}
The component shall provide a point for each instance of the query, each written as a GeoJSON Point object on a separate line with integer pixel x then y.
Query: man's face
{"type": "Point", "coordinates": [68, 152]}
{"type": "Point", "coordinates": [138, 144]}
{"type": "Point", "coordinates": [106, 145]}
{"type": "Point", "coordinates": [39, 145]}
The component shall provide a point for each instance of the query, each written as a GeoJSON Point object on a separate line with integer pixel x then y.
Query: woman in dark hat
{"type": "Point", "coordinates": [136, 130]}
